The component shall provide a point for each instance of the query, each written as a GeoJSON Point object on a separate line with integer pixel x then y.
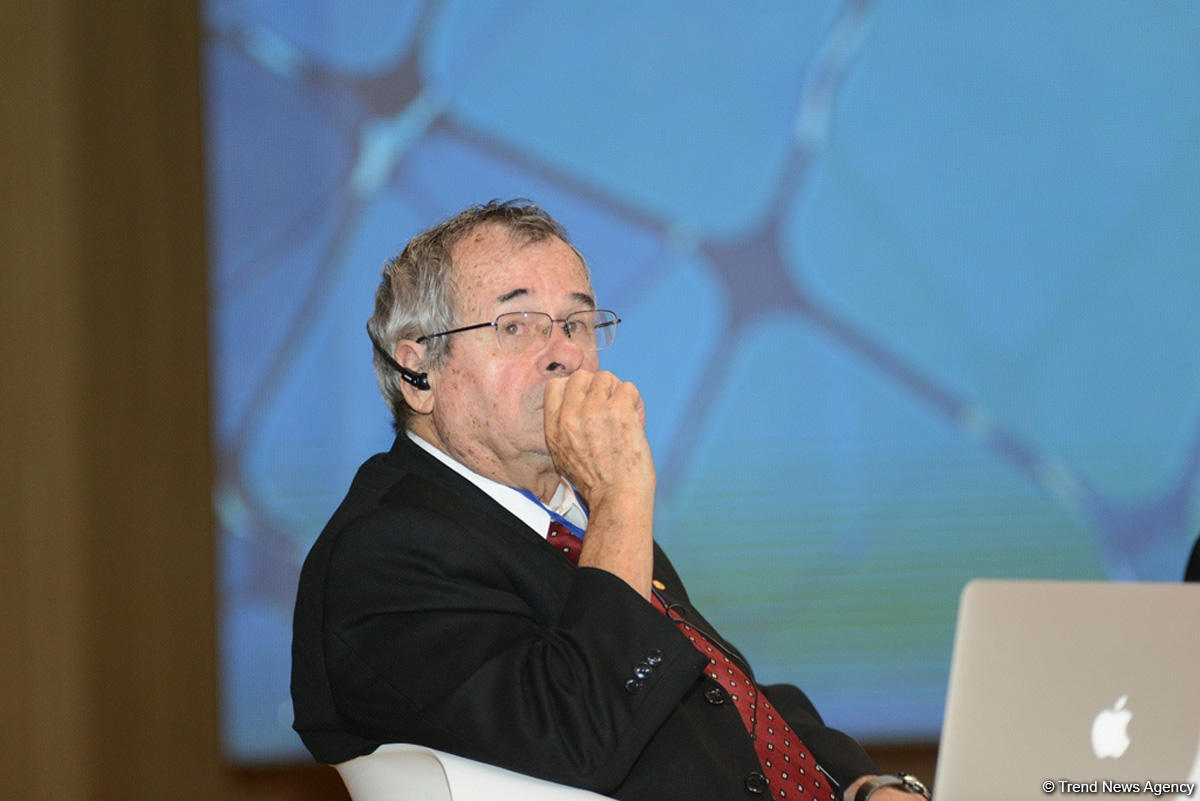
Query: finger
{"type": "Point", "coordinates": [597, 399]}
{"type": "Point", "coordinates": [552, 398]}
{"type": "Point", "coordinates": [576, 388]}
{"type": "Point", "coordinates": [628, 394]}
{"type": "Point", "coordinates": [603, 385]}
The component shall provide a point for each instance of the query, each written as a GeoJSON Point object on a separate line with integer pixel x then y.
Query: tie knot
{"type": "Point", "coordinates": [565, 541]}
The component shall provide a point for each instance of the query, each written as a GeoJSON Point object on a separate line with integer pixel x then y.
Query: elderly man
{"type": "Point", "coordinates": [450, 600]}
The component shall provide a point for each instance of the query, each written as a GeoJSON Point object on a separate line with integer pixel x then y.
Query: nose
{"type": "Point", "coordinates": [562, 355]}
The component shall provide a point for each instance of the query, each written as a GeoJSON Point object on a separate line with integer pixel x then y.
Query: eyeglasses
{"type": "Point", "coordinates": [516, 332]}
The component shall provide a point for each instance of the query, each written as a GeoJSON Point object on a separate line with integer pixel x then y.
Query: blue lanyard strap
{"type": "Point", "coordinates": [555, 516]}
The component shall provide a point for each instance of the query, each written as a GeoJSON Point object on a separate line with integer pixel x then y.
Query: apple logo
{"type": "Point", "coordinates": [1109, 739]}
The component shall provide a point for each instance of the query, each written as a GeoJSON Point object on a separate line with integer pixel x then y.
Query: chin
{"type": "Point", "coordinates": [536, 442]}
{"type": "Point", "coordinates": [538, 448]}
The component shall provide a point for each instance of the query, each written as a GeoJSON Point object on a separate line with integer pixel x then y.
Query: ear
{"type": "Point", "coordinates": [411, 355]}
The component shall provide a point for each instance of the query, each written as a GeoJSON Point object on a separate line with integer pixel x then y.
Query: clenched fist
{"type": "Point", "coordinates": [595, 431]}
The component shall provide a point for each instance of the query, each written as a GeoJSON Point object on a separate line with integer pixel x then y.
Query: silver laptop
{"type": "Point", "coordinates": [1072, 689]}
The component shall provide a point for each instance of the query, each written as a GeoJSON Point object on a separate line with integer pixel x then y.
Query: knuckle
{"type": "Point", "coordinates": [629, 391]}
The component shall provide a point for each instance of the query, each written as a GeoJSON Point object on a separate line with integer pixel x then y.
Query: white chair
{"type": "Point", "coordinates": [402, 772]}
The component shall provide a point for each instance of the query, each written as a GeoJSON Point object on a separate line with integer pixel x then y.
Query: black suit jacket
{"type": "Point", "coordinates": [1192, 571]}
{"type": "Point", "coordinates": [427, 613]}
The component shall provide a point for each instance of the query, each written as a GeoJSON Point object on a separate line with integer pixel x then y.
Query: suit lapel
{"type": "Point", "coordinates": [460, 496]}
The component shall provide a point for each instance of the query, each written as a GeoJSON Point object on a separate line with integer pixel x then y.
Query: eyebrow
{"type": "Point", "coordinates": [516, 293]}
{"type": "Point", "coordinates": [580, 297]}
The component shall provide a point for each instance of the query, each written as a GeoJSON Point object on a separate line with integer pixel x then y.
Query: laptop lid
{"type": "Point", "coordinates": [1072, 688]}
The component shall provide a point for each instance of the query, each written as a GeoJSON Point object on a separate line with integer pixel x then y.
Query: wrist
{"type": "Point", "coordinates": [900, 781]}
{"type": "Point", "coordinates": [620, 538]}
{"type": "Point", "coordinates": [625, 501]}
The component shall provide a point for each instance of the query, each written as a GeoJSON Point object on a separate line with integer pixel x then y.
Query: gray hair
{"type": "Point", "coordinates": [417, 293]}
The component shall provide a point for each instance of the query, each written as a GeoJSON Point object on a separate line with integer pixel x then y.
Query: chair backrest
{"type": "Point", "coordinates": [403, 772]}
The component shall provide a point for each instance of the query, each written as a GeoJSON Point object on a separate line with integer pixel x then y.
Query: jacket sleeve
{"type": "Point", "coordinates": [432, 637]}
{"type": "Point", "coordinates": [839, 754]}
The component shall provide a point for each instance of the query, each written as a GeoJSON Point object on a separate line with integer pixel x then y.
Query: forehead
{"type": "Point", "coordinates": [490, 263]}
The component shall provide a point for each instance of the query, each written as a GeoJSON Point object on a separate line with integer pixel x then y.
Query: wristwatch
{"type": "Point", "coordinates": [901, 781]}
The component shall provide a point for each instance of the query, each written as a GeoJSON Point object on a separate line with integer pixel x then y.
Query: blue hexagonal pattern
{"type": "Point", "coordinates": [910, 289]}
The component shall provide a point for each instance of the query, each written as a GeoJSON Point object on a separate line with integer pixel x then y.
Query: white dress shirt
{"type": "Point", "coordinates": [564, 502]}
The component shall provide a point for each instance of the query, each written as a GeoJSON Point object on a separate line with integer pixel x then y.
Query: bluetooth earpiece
{"type": "Point", "coordinates": [418, 380]}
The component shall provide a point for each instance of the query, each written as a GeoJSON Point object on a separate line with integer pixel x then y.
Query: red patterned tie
{"type": "Point", "coordinates": [562, 538]}
{"type": "Point", "coordinates": [789, 770]}
{"type": "Point", "coordinates": [788, 766]}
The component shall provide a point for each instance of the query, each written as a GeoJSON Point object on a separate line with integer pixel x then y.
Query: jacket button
{"type": "Point", "coordinates": [633, 685]}
{"type": "Point", "coordinates": [756, 783]}
{"type": "Point", "coordinates": [654, 658]}
{"type": "Point", "coordinates": [641, 670]}
{"type": "Point", "coordinates": [714, 695]}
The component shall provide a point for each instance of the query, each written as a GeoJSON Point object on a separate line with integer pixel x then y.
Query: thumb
{"type": "Point", "coordinates": [552, 398]}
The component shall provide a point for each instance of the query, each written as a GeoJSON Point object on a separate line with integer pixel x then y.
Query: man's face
{"type": "Point", "coordinates": [487, 402]}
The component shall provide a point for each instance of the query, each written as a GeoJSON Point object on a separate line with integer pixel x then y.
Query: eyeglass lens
{"type": "Point", "coordinates": [591, 329]}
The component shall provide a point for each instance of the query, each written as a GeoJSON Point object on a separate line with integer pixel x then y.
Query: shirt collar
{"type": "Point", "coordinates": [530, 512]}
{"type": "Point", "coordinates": [566, 502]}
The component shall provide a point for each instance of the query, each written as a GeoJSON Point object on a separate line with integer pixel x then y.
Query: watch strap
{"type": "Point", "coordinates": [901, 781]}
